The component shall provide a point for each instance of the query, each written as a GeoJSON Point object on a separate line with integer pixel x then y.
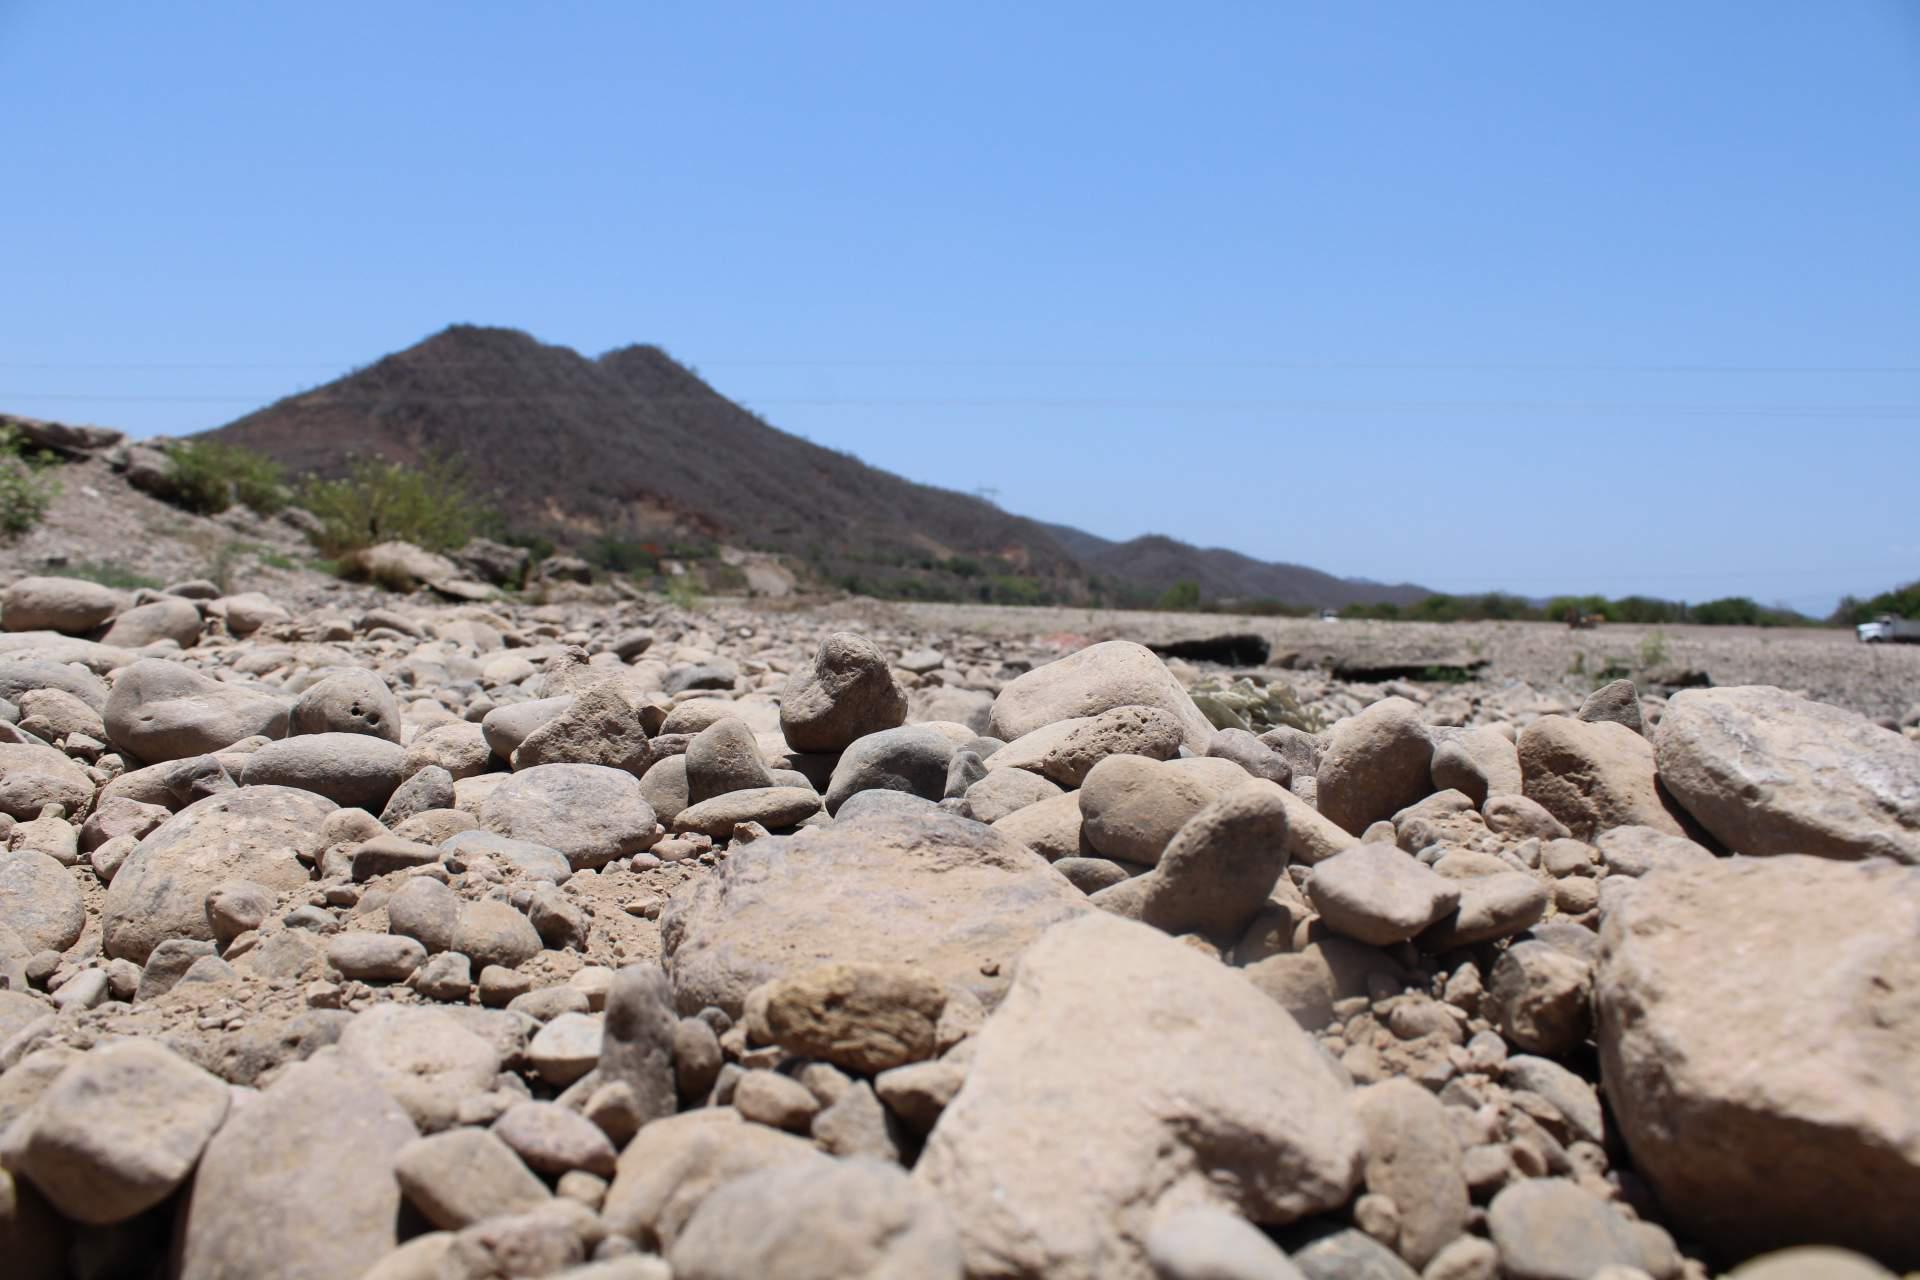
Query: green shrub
{"type": "Point", "coordinates": [26, 489]}
{"type": "Point", "coordinates": [108, 573]}
{"type": "Point", "coordinates": [619, 555]}
{"type": "Point", "coordinates": [1181, 597]}
{"type": "Point", "coordinates": [378, 501]}
{"type": "Point", "coordinates": [209, 477]}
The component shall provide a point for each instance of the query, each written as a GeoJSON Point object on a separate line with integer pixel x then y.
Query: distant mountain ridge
{"type": "Point", "coordinates": [634, 445]}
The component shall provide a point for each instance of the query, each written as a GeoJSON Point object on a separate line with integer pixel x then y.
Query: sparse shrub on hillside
{"type": "Point", "coordinates": [378, 501]}
{"type": "Point", "coordinates": [209, 477]}
{"type": "Point", "coordinates": [619, 555]}
{"type": "Point", "coordinates": [26, 487]}
{"type": "Point", "coordinates": [108, 573]}
{"type": "Point", "coordinates": [1181, 597]}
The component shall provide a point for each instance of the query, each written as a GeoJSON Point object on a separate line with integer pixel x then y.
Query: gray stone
{"type": "Point", "coordinates": [1218, 870]}
{"type": "Point", "coordinates": [168, 618]}
{"type": "Point", "coordinates": [1350, 1255]}
{"type": "Point", "coordinates": [1766, 772]}
{"type": "Point", "coordinates": [351, 769]}
{"type": "Point", "coordinates": [1131, 806]}
{"type": "Point", "coordinates": [1617, 701]}
{"type": "Point", "coordinates": [523, 857]}
{"type": "Point", "coordinates": [723, 758]}
{"type": "Point", "coordinates": [1540, 998]}
{"type": "Point", "coordinates": [566, 1048]}
{"type": "Point", "coordinates": [423, 1057]}
{"type": "Point", "coordinates": [430, 788]}
{"type": "Point", "coordinates": [119, 1130]}
{"type": "Point", "coordinates": [375, 957]}
{"type": "Point", "coordinates": [40, 901]}
{"type": "Point", "coordinates": [1379, 895]}
{"type": "Point", "coordinates": [1551, 1229]}
{"type": "Point", "coordinates": [1491, 906]}
{"type": "Point", "coordinates": [464, 1176]}
{"type": "Point", "coordinates": [673, 1164]}
{"type": "Point", "coordinates": [844, 694]}
{"type": "Point", "coordinates": [640, 1035]}
{"type": "Point", "coordinates": [254, 833]}
{"type": "Point", "coordinates": [1413, 1158]}
{"type": "Point", "coordinates": [250, 1209]}
{"type": "Point", "coordinates": [349, 700]}
{"type": "Point", "coordinates": [505, 728]}
{"type": "Point", "coordinates": [1377, 764]}
{"type": "Point", "coordinates": [161, 711]}
{"type": "Point", "coordinates": [857, 1218]}
{"type": "Point", "coordinates": [1251, 754]}
{"type": "Point", "coordinates": [1205, 1243]}
{"type": "Point", "coordinates": [33, 777]}
{"type": "Point", "coordinates": [1005, 791]}
{"type": "Point", "coordinates": [491, 932]}
{"type": "Point", "coordinates": [597, 727]}
{"type": "Point", "coordinates": [1592, 776]}
{"type": "Point", "coordinates": [774, 808]}
{"type": "Point", "coordinates": [912, 758]}
{"type": "Point", "coordinates": [1117, 673]}
{"type": "Point", "coordinates": [1066, 750]}
{"type": "Point", "coordinates": [554, 1140]}
{"type": "Point", "coordinates": [72, 606]}
{"type": "Point", "coordinates": [590, 813]}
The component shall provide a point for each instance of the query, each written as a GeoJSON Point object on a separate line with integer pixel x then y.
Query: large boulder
{"type": "Point", "coordinates": [40, 901]}
{"type": "Point", "coordinates": [254, 833]}
{"type": "Point", "coordinates": [72, 606]}
{"type": "Point", "coordinates": [912, 758]}
{"type": "Point", "coordinates": [168, 618]}
{"type": "Point", "coordinates": [1767, 772]}
{"type": "Point", "coordinates": [1759, 1031]}
{"type": "Point", "coordinates": [1098, 678]}
{"type": "Point", "coordinates": [1593, 776]}
{"type": "Point", "coordinates": [22, 671]}
{"type": "Point", "coordinates": [673, 1164]}
{"type": "Point", "coordinates": [844, 694]}
{"type": "Point", "coordinates": [298, 1184]}
{"type": "Point", "coordinates": [1067, 750]}
{"type": "Point", "coordinates": [32, 777]}
{"type": "Point", "coordinates": [1224, 1100]}
{"type": "Point", "coordinates": [953, 896]}
{"type": "Point", "coordinates": [589, 812]}
{"type": "Point", "coordinates": [162, 711]}
{"type": "Point", "coordinates": [350, 700]}
{"type": "Point", "coordinates": [1378, 763]}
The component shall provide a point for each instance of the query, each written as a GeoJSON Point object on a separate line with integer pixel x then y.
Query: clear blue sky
{"type": "Point", "coordinates": [1619, 297]}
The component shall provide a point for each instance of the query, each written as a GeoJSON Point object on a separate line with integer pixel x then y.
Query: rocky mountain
{"type": "Point", "coordinates": [635, 446]}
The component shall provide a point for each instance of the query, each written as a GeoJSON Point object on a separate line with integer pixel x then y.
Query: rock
{"type": "Point", "coordinates": [1815, 1262]}
{"type": "Point", "coordinates": [672, 1165]}
{"type": "Point", "coordinates": [350, 700]}
{"type": "Point", "coordinates": [1117, 673]}
{"type": "Point", "coordinates": [1378, 763]}
{"type": "Point", "coordinates": [1413, 1158]}
{"type": "Point", "coordinates": [72, 606]}
{"type": "Point", "coordinates": [864, 1017]}
{"type": "Point", "coordinates": [255, 833]}
{"type": "Point", "coordinates": [774, 808]}
{"type": "Point", "coordinates": [1723, 1074]}
{"type": "Point", "coordinates": [857, 1219]}
{"type": "Point", "coordinates": [465, 1175]}
{"type": "Point", "coordinates": [1131, 806]}
{"type": "Point", "coordinates": [1539, 997]}
{"type": "Point", "coordinates": [1212, 1244]}
{"type": "Point", "coordinates": [496, 563]}
{"type": "Point", "coordinates": [846, 693]}
{"type": "Point", "coordinates": [1218, 870]}
{"type": "Point", "coordinates": [19, 675]}
{"type": "Point", "coordinates": [119, 1130]}
{"type": "Point", "coordinates": [1053, 828]}
{"type": "Point", "coordinates": [551, 1139]}
{"type": "Point", "coordinates": [1616, 701]}
{"type": "Point", "coordinates": [769, 1098]}
{"type": "Point", "coordinates": [249, 1212]}
{"type": "Point", "coordinates": [375, 957]}
{"type": "Point", "coordinates": [40, 902]}
{"type": "Point", "coordinates": [491, 932]}
{"type": "Point", "coordinates": [1492, 906]}
{"type": "Point", "coordinates": [505, 728]}
{"type": "Point", "coordinates": [963, 770]}
{"type": "Point", "coordinates": [423, 1057]}
{"type": "Point", "coordinates": [641, 1038]}
{"type": "Point", "coordinates": [1091, 875]}
{"type": "Point", "coordinates": [1550, 1229]}
{"type": "Point", "coordinates": [386, 854]}
{"type": "Point", "coordinates": [1379, 895]}
{"type": "Point", "coordinates": [427, 790]}
{"type": "Point", "coordinates": [1478, 763]}
{"type": "Point", "coordinates": [566, 1048]}
{"type": "Point", "coordinates": [1570, 1095]}
{"type": "Point", "coordinates": [1350, 1255]}
{"type": "Point", "coordinates": [590, 813]}
{"type": "Point", "coordinates": [952, 896]}
{"type": "Point", "coordinates": [524, 857]}
{"type": "Point", "coordinates": [912, 758]}
{"type": "Point", "coordinates": [457, 746]}
{"type": "Point", "coordinates": [353, 770]}
{"type": "Point", "coordinates": [723, 758]}
{"type": "Point", "coordinates": [1066, 750]}
{"type": "Point", "coordinates": [1005, 791]}
{"type": "Point", "coordinates": [1636, 851]}
{"type": "Point", "coordinates": [1593, 776]}
{"type": "Point", "coordinates": [160, 711]}
{"type": "Point", "coordinates": [696, 1059]}
{"type": "Point", "coordinates": [1100, 989]}
{"type": "Point", "coordinates": [1766, 772]}
{"type": "Point", "coordinates": [1521, 818]}
{"type": "Point", "coordinates": [596, 727]}
{"type": "Point", "coordinates": [168, 618]}
{"type": "Point", "coordinates": [33, 777]}
{"type": "Point", "coordinates": [248, 612]}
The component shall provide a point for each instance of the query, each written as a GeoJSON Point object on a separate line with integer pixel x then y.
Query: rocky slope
{"type": "Point", "coordinates": [382, 936]}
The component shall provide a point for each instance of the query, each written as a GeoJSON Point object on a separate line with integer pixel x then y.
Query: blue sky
{"type": "Point", "coordinates": [1617, 297]}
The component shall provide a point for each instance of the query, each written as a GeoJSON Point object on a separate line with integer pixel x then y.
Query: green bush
{"type": "Point", "coordinates": [619, 555]}
{"type": "Point", "coordinates": [1901, 602]}
{"type": "Point", "coordinates": [209, 477]}
{"type": "Point", "coordinates": [1181, 597]}
{"type": "Point", "coordinates": [108, 573]}
{"type": "Point", "coordinates": [26, 489]}
{"type": "Point", "coordinates": [429, 506]}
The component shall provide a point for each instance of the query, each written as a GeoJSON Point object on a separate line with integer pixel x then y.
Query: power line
{"type": "Point", "coordinates": [1494, 366]}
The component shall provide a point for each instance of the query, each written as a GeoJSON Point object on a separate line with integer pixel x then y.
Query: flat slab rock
{"type": "Point", "coordinates": [950, 895]}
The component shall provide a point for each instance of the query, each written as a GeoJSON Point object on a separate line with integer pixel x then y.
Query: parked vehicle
{"type": "Point", "coordinates": [1887, 629]}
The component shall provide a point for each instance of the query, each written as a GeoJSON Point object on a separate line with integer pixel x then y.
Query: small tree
{"type": "Point", "coordinates": [377, 501]}
{"type": "Point", "coordinates": [26, 488]}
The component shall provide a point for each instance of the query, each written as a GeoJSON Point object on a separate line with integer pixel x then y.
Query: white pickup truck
{"type": "Point", "coordinates": [1887, 629]}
